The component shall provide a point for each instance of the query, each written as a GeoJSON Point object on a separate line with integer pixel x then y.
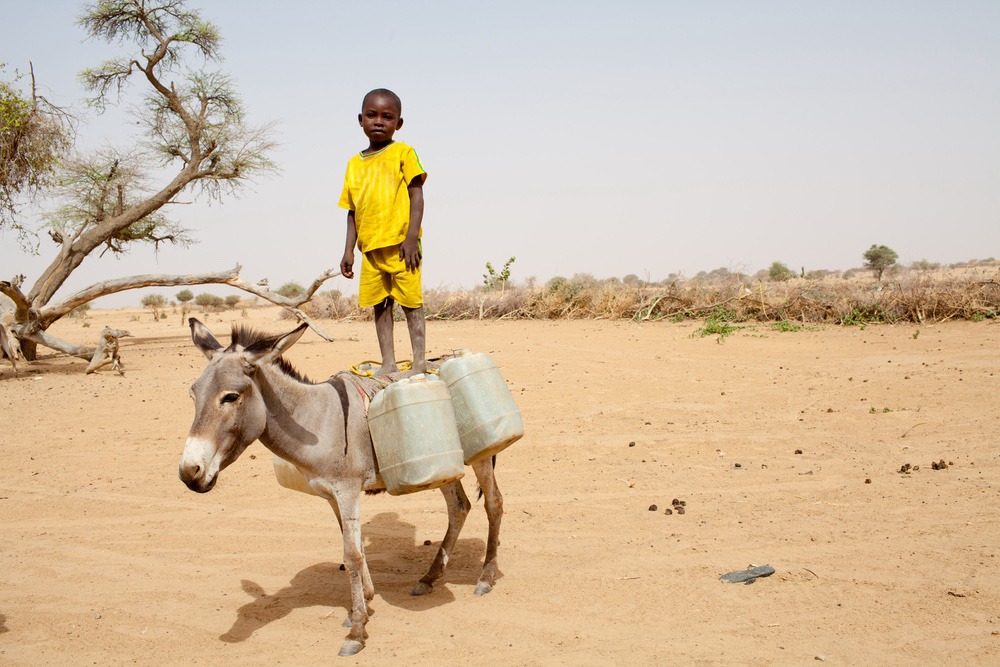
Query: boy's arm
{"type": "Point", "coordinates": [409, 251]}
{"type": "Point", "coordinates": [347, 263]}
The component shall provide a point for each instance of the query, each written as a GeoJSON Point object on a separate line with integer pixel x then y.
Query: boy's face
{"type": "Point", "coordinates": [380, 118]}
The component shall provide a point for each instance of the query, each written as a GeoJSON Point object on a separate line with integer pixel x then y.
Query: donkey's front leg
{"type": "Point", "coordinates": [348, 497]}
{"type": "Point", "coordinates": [458, 509]}
{"type": "Point", "coordinates": [366, 576]}
{"type": "Point", "coordinates": [494, 512]}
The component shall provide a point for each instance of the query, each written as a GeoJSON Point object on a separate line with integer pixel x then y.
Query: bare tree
{"type": "Point", "coordinates": [194, 126]}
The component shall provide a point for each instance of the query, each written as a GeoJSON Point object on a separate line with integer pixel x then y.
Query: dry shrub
{"type": "Point", "coordinates": [912, 296]}
{"type": "Point", "coordinates": [333, 306]}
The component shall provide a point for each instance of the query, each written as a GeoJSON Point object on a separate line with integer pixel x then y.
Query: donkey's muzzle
{"type": "Point", "coordinates": [196, 480]}
{"type": "Point", "coordinates": [196, 469]}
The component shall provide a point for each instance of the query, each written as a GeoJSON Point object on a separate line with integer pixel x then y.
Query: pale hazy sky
{"type": "Point", "coordinates": [600, 137]}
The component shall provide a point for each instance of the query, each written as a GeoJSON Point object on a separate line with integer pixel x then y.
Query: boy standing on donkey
{"type": "Point", "coordinates": [384, 197]}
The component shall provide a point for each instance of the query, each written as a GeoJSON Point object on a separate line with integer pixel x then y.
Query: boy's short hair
{"type": "Point", "coordinates": [384, 92]}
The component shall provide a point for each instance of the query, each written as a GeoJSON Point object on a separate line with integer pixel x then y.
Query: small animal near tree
{"type": "Point", "coordinates": [194, 125]}
{"type": "Point", "coordinates": [878, 258]}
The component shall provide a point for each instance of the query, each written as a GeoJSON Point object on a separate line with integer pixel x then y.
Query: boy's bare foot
{"type": "Point", "coordinates": [386, 370]}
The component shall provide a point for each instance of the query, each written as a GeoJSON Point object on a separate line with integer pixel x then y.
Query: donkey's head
{"type": "Point", "coordinates": [229, 409]}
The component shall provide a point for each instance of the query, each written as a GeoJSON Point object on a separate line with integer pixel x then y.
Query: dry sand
{"type": "Point", "coordinates": [107, 558]}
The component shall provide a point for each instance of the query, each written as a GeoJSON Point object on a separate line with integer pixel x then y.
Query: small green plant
{"type": "Point", "coordinates": [493, 278]}
{"type": "Point", "coordinates": [916, 334]}
{"type": "Point", "coordinates": [978, 317]}
{"type": "Point", "coordinates": [719, 323]}
{"type": "Point", "coordinates": [876, 411]}
{"type": "Point", "coordinates": [785, 326]}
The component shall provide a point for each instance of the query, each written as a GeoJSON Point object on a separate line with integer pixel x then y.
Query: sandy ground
{"type": "Point", "coordinates": [106, 558]}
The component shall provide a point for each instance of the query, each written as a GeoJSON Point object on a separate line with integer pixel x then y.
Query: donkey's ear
{"type": "Point", "coordinates": [268, 350]}
{"type": "Point", "coordinates": [203, 338]}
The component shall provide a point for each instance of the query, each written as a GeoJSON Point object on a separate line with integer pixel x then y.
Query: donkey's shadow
{"type": "Point", "coordinates": [396, 560]}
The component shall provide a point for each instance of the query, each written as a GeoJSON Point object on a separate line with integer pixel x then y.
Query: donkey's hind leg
{"type": "Point", "coordinates": [458, 509]}
{"type": "Point", "coordinates": [494, 512]}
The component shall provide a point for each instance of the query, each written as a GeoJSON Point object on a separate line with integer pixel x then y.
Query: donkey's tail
{"type": "Point", "coordinates": [479, 488]}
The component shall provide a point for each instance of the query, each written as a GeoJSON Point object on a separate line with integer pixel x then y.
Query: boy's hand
{"type": "Point", "coordinates": [347, 265]}
{"type": "Point", "coordinates": [409, 252]}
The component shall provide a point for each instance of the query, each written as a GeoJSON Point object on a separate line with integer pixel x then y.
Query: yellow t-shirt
{"type": "Point", "coordinates": [375, 189]}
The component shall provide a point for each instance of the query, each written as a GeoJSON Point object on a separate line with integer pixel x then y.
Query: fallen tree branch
{"type": "Point", "coordinates": [60, 345]}
{"type": "Point", "coordinates": [51, 313]}
{"type": "Point", "coordinates": [107, 352]}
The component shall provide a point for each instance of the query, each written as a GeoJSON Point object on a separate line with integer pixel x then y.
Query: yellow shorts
{"type": "Point", "coordinates": [384, 275]}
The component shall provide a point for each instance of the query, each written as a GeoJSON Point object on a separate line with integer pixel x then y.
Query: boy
{"type": "Point", "coordinates": [384, 197]}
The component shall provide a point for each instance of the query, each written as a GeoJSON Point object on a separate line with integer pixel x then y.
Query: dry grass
{"type": "Point", "coordinates": [848, 298]}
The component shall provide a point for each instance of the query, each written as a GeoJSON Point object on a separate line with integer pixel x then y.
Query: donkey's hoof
{"type": "Point", "coordinates": [350, 647]}
{"type": "Point", "coordinates": [483, 587]}
{"type": "Point", "coordinates": [422, 589]}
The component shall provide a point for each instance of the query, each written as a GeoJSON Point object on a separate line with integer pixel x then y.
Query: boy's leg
{"type": "Point", "coordinates": [383, 329]}
{"type": "Point", "coordinates": [416, 325]}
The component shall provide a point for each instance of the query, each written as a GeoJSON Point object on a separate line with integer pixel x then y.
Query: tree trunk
{"type": "Point", "coordinates": [29, 349]}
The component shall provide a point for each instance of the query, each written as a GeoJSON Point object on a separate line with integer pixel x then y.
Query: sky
{"type": "Point", "coordinates": [608, 138]}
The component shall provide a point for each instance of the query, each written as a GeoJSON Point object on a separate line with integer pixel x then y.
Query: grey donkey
{"type": "Point", "coordinates": [248, 392]}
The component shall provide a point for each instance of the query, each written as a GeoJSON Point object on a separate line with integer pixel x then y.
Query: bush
{"type": "Point", "coordinates": [291, 290]}
{"type": "Point", "coordinates": [924, 265]}
{"type": "Point", "coordinates": [206, 300]}
{"type": "Point", "coordinates": [779, 272]}
{"type": "Point", "coordinates": [818, 274]}
{"type": "Point", "coordinates": [185, 295]}
{"type": "Point", "coordinates": [232, 300]}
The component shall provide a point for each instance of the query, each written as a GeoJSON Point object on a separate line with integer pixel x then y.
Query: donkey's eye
{"type": "Point", "coordinates": [230, 397]}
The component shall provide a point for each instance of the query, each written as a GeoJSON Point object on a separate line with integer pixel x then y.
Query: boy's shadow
{"type": "Point", "coordinates": [396, 560]}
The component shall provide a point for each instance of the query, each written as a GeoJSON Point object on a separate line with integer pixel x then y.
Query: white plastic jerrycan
{"type": "Point", "coordinates": [290, 477]}
{"type": "Point", "coordinates": [416, 441]}
{"type": "Point", "coordinates": [488, 419]}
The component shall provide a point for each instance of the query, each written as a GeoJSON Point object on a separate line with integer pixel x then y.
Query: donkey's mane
{"type": "Point", "coordinates": [245, 336]}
